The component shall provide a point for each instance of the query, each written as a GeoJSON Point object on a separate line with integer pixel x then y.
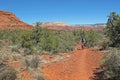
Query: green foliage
{"type": "Point", "coordinates": [67, 41]}
{"type": "Point", "coordinates": [77, 34]}
{"type": "Point", "coordinates": [92, 38]}
{"type": "Point", "coordinates": [26, 41]}
{"type": "Point", "coordinates": [110, 67]}
{"type": "Point", "coordinates": [43, 40]}
{"type": "Point", "coordinates": [13, 36]}
{"type": "Point", "coordinates": [113, 29]}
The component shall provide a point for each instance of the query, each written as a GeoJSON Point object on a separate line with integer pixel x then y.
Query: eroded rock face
{"type": "Point", "coordinates": [56, 27]}
{"type": "Point", "coordinates": [9, 21]}
{"type": "Point", "coordinates": [64, 26]}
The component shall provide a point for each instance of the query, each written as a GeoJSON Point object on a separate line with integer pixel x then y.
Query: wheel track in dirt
{"type": "Point", "coordinates": [79, 66]}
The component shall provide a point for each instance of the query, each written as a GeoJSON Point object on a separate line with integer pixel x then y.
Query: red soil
{"type": "Point", "coordinates": [79, 66]}
{"type": "Point", "coordinates": [16, 64]}
{"type": "Point", "coordinates": [25, 75]}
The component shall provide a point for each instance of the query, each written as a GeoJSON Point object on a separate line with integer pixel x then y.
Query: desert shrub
{"type": "Point", "coordinates": [12, 35]}
{"type": "Point", "coordinates": [110, 67]}
{"type": "Point", "coordinates": [40, 77]}
{"type": "Point", "coordinates": [77, 34]}
{"type": "Point", "coordinates": [32, 63]}
{"type": "Point", "coordinates": [27, 63]}
{"type": "Point", "coordinates": [1, 43]}
{"type": "Point", "coordinates": [92, 38]}
{"type": "Point", "coordinates": [15, 49]}
{"type": "Point", "coordinates": [49, 41]}
{"type": "Point", "coordinates": [7, 73]}
{"type": "Point", "coordinates": [5, 58]}
{"type": "Point", "coordinates": [42, 40]}
{"type": "Point", "coordinates": [27, 42]}
{"type": "Point", "coordinates": [105, 45]}
{"type": "Point", "coordinates": [15, 58]}
{"type": "Point", "coordinates": [67, 42]}
{"type": "Point", "coordinates": [0, 57]}
{"type": "Point", "coordinates": [35, 62]}
{"type": "Point", "coordinates": [39, 40]}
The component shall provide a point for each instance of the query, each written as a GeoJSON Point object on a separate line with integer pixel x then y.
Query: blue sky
{"type": "Point", "coordinates": [68, 11]}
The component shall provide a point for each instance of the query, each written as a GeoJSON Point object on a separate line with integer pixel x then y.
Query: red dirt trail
{"type": "Point", "coordinates": [79, 66]}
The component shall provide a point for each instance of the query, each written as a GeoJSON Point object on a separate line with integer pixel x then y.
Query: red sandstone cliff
{"type": "Point", "coordinates": [9, 21]}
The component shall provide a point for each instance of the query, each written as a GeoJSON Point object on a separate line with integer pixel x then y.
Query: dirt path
{"type": "Point", "coordinates": [79, 66]}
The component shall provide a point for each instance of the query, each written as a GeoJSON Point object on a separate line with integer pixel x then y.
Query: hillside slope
{"type": "Point", "coordinates": [9, 21]}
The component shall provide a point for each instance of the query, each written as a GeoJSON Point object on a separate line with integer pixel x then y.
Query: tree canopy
{"type": "Point", "coordinates": [113, 29]}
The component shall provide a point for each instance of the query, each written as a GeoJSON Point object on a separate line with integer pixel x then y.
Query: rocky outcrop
{"type": "Point", "coordinates": [68, 27]}
{"type": "Point", "coordinates": [64, 26]}
{"type": "Point", "coordinates": [9, 21]}
{"type": "Point", "coordinates": [54, 24]}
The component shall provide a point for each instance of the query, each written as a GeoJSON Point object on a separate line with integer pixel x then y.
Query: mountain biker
{"type": "Point", "coordinates": [83, 40]}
